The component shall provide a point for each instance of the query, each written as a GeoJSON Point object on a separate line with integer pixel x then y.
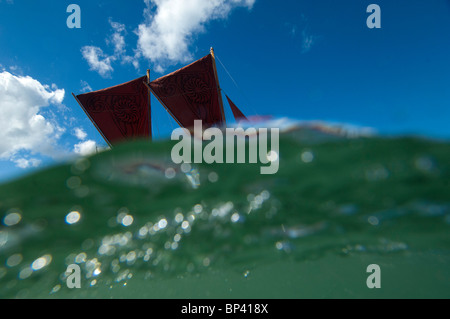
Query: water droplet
{"type": "Point", "coordinates": [185, 225]}
{"type": "Point", "coordinates": [162, 223]}
{"type": "Point", "coordinates": [213, 177]}
{"type": "Point", "coordinates": [41, 262]}
{"type": "Point", "coordinates": [73, 217]}
{"type": "Point", "coordinates": [73, 182]}
{"type": "Point", "coordinates": [235, 218]}
{"type": "Point", "coordinates": [307, 156]}
{"type": "Point", "coordinates": [424, 163]}
{"type": "Point", "coordinates": [179, 218]}
{"type": "Point", "coordinates": [2, 272]}
{"type": "Point", "coordinates": [13, 217]}
{"type": "Point", "coordinates": [131, 257]}
{"type": "Point", "coordinates": [265, 195]}
{"type": "Point", "coordinates": [374, 221]}
{"type": "Point", "coordinates": [170, 173]}
{"type": "Point", "coordinates": [55, 289]}
{"type": "Point", "coordinates": [127, 220]}
{"type": "Point", "coordinates": [143, 231]}
{"type": "Point", "coordinates": [14, 260]}
{"type": "Point", "coordinates": [25, 273]}
{"type": "Point", "coordinates": [186, 168]}
{"type": "Point", "coordinates": [272, 156]}
{"type": "Point", "coordinates": [198, 209]}
{"type": "Point", "coordinates": [80, 258]}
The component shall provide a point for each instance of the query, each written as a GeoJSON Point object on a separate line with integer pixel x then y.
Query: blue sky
{"type": "Point", "coordinates": [306, 60]}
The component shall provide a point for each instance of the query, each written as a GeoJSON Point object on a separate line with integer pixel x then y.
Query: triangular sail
{"type": "Point", "coordinates": [121, 112]}
{"type": "Point", "coordinates": [238, 115]}
{"type": "Point", "coordinates": [191, 93]}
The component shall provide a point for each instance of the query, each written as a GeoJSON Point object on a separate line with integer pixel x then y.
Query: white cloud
{"type": "Point", "coordinates": [85, 87]}
{"type": "Point", "coordinates": [294, 30]}
{"type": "Point", "coordinates": [308, 40]}
{"type": "Point", "coordinates": [98, 61]}
{"type": "Point", "coordinates": [118, 38]}
{"type": "Point", "coordinates": [14, 68]}
{"type": "Point", "coordinates": [85, 148]}
{"type": "Point", "coordinates": [80, 133]}
{"type": "Point", "coordinates": [166, 35]}
{"type": "Point", "coordinates": [27, 163]}
{"type": "Point", "coordinates": [24, 128]}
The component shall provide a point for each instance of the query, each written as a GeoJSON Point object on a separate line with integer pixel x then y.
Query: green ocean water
{"type": "Point", "coordinates": [141, 227]}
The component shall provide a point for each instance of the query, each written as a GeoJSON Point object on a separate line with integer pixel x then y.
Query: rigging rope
{"type": "Point", "coordinates": [238, 87]}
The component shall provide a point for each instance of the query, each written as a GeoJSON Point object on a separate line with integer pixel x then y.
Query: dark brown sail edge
{"type": "Point", "coordinates": [238, 115]}
{"type": "Point", "coordinates": [191, 93]}
{"type": "Point", "coordinates": [121, 112]}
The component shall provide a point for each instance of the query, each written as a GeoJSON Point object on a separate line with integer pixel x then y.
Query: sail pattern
{"type": "Point", "coordinates": [121, 112]}
{"type": "Point", "coordinates": [191, 93]}
{"type": "Point", "coordinates": [238, 115]}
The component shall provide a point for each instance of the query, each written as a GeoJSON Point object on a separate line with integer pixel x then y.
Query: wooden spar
{"type": "Point", "coordinates": [149, 107]}
{"type": "Point", "coordinates": [162, 103]}
{"type": "Point", "coordinates": [219, 90]}
{"type": "Point", "coordinates": [81, 105]}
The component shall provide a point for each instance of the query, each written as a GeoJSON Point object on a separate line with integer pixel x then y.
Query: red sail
{"type": "Point", "coordinates": [121, 112]}
{"type": "Point", "coordinates": [191, 93]}
{"type": "Point", "coordinates": [238, 115]}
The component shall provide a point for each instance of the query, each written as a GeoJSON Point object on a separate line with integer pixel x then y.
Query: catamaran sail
{"type": "Point", "coordinates": [238, 115]}
{"type": "Point", "coordinates": [191, 93]}
{"type": "Point", "coordinates": [123, 112]}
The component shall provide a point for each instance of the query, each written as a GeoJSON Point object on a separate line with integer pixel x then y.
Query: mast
{"type": "Point", "coordinates": [219, 91]}
{"type": "Point", "coordinates": [149, 106]}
